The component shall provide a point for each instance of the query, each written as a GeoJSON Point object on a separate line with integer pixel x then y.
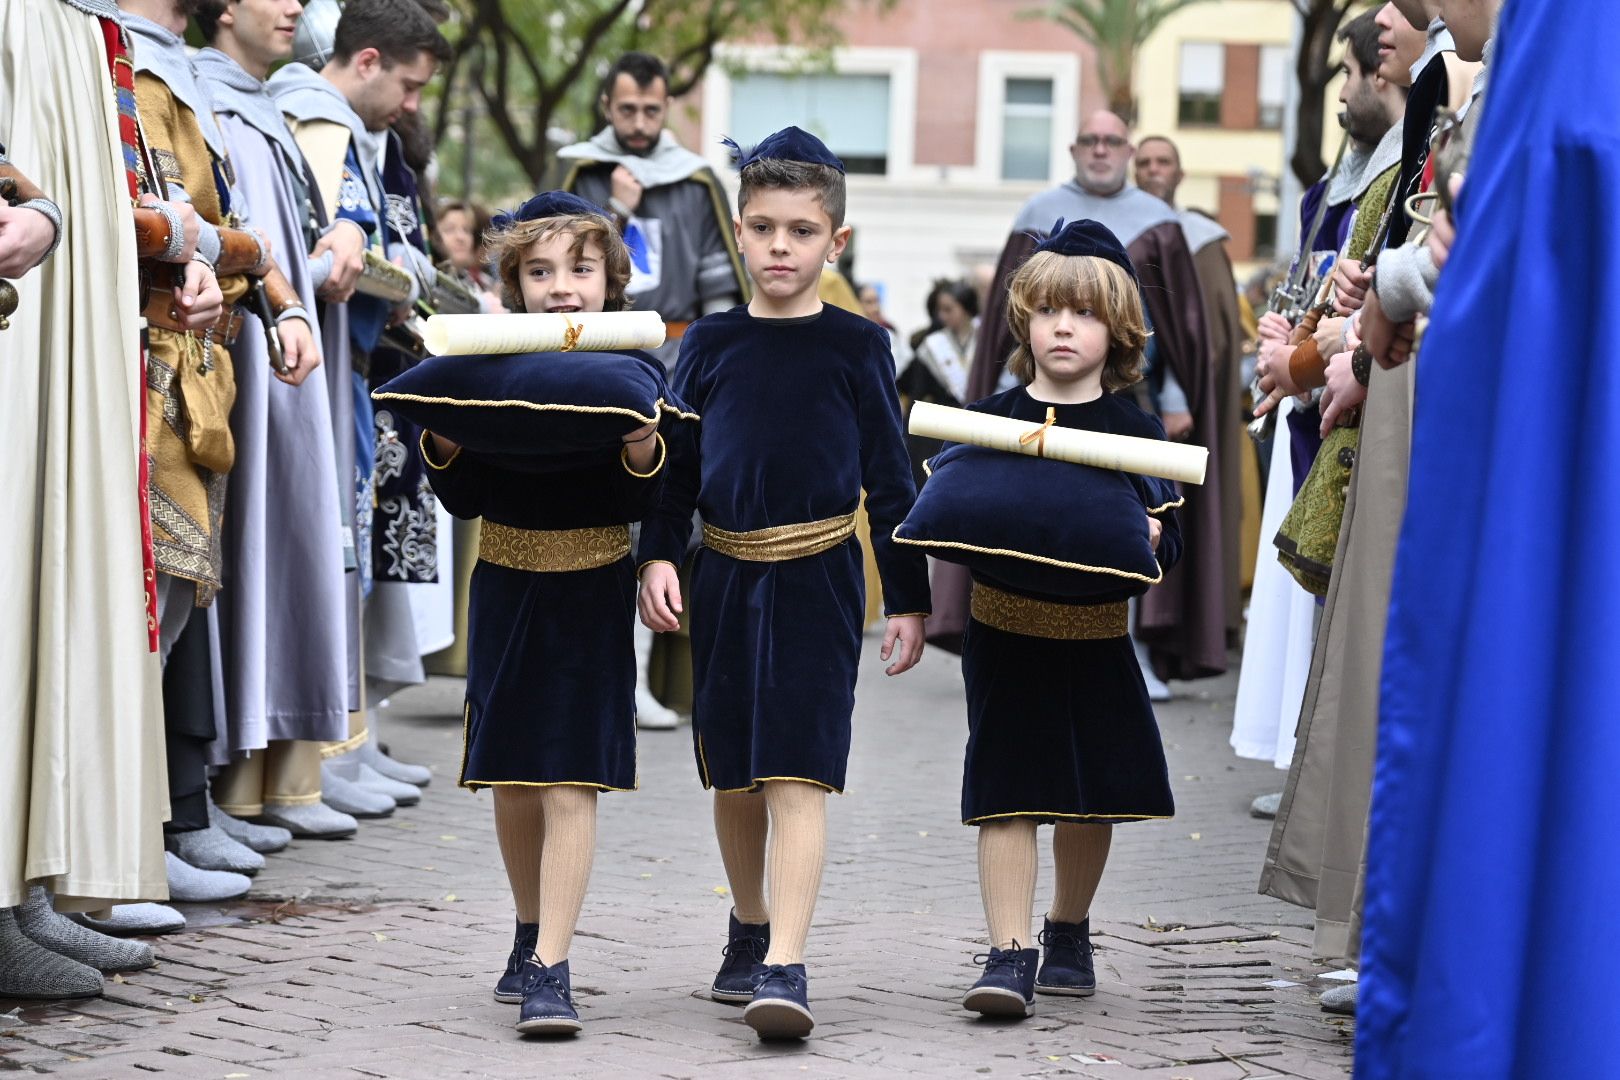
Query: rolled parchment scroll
{"type": "Point", "coordinates": [1148, 457]}
{"type": "Point", "coordinates": [482, 335]}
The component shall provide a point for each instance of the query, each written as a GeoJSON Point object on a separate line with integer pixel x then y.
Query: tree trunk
{"type": "Point", "coordinates": [1313, 68]}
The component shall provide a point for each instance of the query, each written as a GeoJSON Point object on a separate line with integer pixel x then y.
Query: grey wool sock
{"type": "Point", "coordinates": [261, 838]}
{"type": "Point", "coordinates": [60, 934]}
{"type": "Point", "coordinates": [1340, 999]}
{"type": "Point", "coordinates": [404, 772]}
{"type": "Point", "coordinates": [347, 797]}
{"type": "Point", "coordinates": [29, 970]}
{"type": "Point", "coordinates": [213, 849]}
{"type": "Point", "coordinates": [188, 884]}
{"type": "Point", "coordinates": [130, 919]}
{"type": "Point", "coordinates": [403, 794]}
{"type": "Point", "coordinates": [312, 821]}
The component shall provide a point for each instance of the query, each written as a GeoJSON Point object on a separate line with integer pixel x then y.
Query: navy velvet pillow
{"type": "Point", "coordinates": [534, 405]}
{"type": "Point", "coordinates": [1039, 525]}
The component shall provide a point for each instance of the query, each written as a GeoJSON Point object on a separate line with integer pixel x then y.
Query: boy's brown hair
{"type": "Point", "coordinates": [823, 181]}
{"type": "Point", "coordinates": [1079, 282]}
{"type": "Point", "coordinates": [508, 246]}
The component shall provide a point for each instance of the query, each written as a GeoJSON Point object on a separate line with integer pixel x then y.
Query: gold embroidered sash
{"type": "Point", "coordinates": [781, 542]}
{"type": "Point", "coordinates": [545, 551]}
{"type": "Point", "coordinates": [1047, 619]}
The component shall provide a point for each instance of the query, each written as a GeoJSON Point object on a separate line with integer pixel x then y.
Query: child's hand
{"type": "Point", "coordinates": [1155, 530]}
{"type": "Point", "coordinates": [443, 448]}
{"type": "Point", "coordinates": [641, 433]}
{"type": "Point", "coordinates": [907, 630]}
{"type": "Point", "coordinates": [641, 449]}
{"type": "Point", "coordinates": [660, 600]}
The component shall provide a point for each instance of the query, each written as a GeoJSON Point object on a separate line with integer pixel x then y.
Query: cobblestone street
{"type": "Point", "coordinates": [376, 956]}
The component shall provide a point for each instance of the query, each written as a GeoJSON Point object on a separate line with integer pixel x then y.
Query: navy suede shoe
{"type": "Point", "coordinates": [744, 960]}
{"type": "Point", "coordinates": [548, 1001]}
{"type": "Point", "coordinates": [1007, 987]}
{"type": "Point", "coordinates": [781, 1005]}
{"type": "Point", "coordinates": [1066, 968]}
{"type": "Point", "coordinates": [509, 989]}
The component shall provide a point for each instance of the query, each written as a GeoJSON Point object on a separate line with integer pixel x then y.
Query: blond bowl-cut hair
{"type": "Point", "coordinates": [508, 246]}
{"type": "Point", "coordinates": [1079, 282]}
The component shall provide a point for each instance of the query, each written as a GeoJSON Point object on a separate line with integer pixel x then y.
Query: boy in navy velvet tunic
{"type": "Point", "coordinates": [799, 415]}
{"type": "Point", "coordinates": [550, 714]}
{"type": "Point", "coordinates": [1060, 728]}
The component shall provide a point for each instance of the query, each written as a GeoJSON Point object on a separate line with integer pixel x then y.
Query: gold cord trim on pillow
{"type": "Point", "coordinates": [1010, 553]}
{"type": "Point", "coordinates": [544, 551]}
{"type": "Point", "coordinates": [1173, 504]}
{"type": "Point", "coordinates": [659, 406]}
{"type": "Point", "coordinates": [1048, 619]}
{"type": "Point", "coordinates": [781, 542]}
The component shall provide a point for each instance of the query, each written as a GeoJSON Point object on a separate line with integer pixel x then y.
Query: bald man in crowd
{"type": "Point", "coordinates": [1159, 173]}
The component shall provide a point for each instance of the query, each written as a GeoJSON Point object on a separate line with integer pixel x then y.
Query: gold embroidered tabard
{"type": "Point", "coordinates": [190, 381]}
{"type": "Point", "coordinates": [553, 551]}
{"type": "Point", "coordinates": [1048, 619]}
{"type": "Point", "coordinates": [781, 542]}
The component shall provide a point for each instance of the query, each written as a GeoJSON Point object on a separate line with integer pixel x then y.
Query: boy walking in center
{"type": "Point", "coordinates": [799, 415]}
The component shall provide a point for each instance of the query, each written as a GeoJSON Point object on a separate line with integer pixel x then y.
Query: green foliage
{"type": "Point", "coordinates": [1116, 29]}
{"type": "Point", "coordinates": [525, 74]}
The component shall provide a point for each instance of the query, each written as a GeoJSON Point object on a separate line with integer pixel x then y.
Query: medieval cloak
{"type": "Point", "coordinates": [1494, 807]}
{"type": "Point", "coordinates": [283, 612]}
{"type": "Point", "coordinates": [83, 784]}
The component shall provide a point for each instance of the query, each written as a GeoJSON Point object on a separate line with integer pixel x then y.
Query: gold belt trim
{"type": "Point", "coordinates": [781, 542]}
{"type": "Point", "coordinates": [545, 551]}
{"type": "Point", "coordinates": [1047, 619]}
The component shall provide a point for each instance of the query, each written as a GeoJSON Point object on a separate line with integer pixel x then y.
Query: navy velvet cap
{"type": "Point", "coordinates": [789, 144]}
{"type": "Point", "coordinates": [1087, 237]}
{"type": "Point", "coordinates": [547, 204]}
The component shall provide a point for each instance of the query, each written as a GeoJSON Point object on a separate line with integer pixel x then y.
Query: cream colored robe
{"type": "Point", "coordinates": [83, 780]}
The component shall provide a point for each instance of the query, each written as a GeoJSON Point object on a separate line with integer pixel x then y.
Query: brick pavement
{"type": "Point", "coordinates": [374, 957]}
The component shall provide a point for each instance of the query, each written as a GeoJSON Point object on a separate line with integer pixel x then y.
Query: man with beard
{"type": "Point", "coordinates": [667, 201]}
{"type": "Point", "coordinates": [1282, 615]}
{"type": "Point", "coordinates": [1183, 619]}
{"type": "Point", "coordinates": [1317, 854]}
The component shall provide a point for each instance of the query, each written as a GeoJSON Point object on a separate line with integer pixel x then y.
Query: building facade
{"type": "Point", "coordinates": [950, 113]}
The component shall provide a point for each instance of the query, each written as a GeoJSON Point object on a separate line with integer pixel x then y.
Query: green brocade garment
{"type": "Point", "coordinates": [1309, 534]}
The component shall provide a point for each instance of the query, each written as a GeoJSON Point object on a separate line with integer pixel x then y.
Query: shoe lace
{"type": "Point", "coordinates": [750, 948]}
{"type": "Point", "coordinates": [520, 952]}
{"type": "Point", "coordinates": [1053, 939]}
{"type": "Point", "coordinates": [542, 979]}
{"type": "Point", "coordinates": [794, 980]}
{"type": "Point", "coordinates": [1002, 958]}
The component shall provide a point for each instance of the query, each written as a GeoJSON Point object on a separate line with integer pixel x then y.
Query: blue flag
{"type": "Point", "coordinates": [1489, 947]}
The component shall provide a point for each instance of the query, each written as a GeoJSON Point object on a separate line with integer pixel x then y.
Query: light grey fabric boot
{"type": "Point", "coordinates": [64, 937]}
{"type": "Point", "coordinates": [29, 970]}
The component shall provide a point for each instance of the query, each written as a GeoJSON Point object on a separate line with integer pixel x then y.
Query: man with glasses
{"type": "Point", "coordinates": [1181, 621]}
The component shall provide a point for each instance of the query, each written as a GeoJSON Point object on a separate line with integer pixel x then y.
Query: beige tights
{"type": "Point", "coordinates": [1007, 879]}
{"type": "Point", "coordinates": [1079, 852]}
{"type": "Point", "coordinates": [740, 828]}
{"type": "Point", "coordinates": [797, 854]}
{"type": "Point", "coordinates": [548, 840]}
{"type": "Point", "coordinates": [794, 813]}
